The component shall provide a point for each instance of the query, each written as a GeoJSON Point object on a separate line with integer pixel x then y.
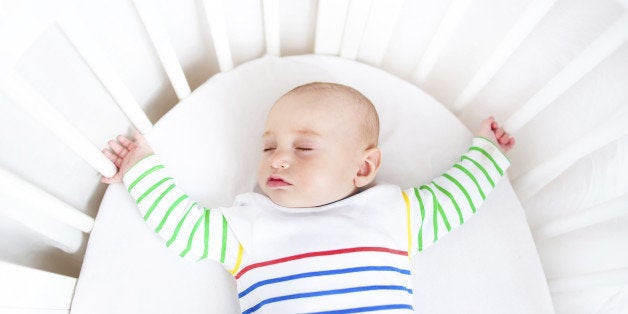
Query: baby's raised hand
{"type": "Point", "coordinates": [126, 154]}
{"type": "Point", "coordinates": [491, 130]}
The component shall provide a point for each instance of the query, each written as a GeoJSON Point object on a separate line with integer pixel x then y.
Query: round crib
{"type": "Point", "coordinates": [75, 74]}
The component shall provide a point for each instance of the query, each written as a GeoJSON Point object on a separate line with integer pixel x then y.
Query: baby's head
{"type": "Point", "coordinates": [320, 145]}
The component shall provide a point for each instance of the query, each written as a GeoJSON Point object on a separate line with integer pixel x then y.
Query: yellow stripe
{"type": "Point", "coordinates": [407, 200]}
{"type": "Point", "coordinates": [238, 261]}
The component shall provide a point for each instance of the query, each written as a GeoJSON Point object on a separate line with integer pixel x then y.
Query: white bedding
{"type": "Point", "coordinates": [209, 142]}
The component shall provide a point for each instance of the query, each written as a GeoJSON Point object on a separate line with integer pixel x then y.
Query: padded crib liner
{"type": "Point", "coordinates": [209, 142]}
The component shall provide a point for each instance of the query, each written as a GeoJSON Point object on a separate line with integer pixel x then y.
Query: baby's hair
{"type": "Point", "coordinates": [370, 118]}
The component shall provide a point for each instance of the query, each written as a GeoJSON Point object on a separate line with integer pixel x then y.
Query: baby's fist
{"type": "Point", "coordinates": [491, 130]}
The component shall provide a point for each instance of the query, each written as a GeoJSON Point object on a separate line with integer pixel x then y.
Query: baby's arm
{"type": "Point", "coordinates": [191, 230]}
{"type": "Point", "coordinates": [448, 201]}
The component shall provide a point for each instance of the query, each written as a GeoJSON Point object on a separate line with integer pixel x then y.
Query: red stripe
{"type": "Point", "coordinates": [321, 253]}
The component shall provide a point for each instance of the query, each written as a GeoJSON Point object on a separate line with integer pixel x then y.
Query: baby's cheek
{"type": "Point", "coordinates": [312, 182]}
{"type": "Point", "coordinates": [261, 177]}
{"type": "Point", "coordinates": [329, 183]}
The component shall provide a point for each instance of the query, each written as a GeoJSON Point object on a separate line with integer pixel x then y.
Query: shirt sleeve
{"type": "Point", "coordinates": [192, 231]}
{"type": "Point", "coordinates": [438, 207]}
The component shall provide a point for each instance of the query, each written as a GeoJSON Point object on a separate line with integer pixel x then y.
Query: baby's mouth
{"type": "Point", "coordinates": [276, 182]}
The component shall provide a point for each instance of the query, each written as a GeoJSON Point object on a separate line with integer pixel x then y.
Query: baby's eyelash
{"type": "Point", "coordinates": [297, 148]}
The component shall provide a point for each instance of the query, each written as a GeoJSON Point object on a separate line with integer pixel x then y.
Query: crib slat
{"type": "Point", "coordinates": [530, 17]}
{"type": "Point", "coordinates": [23, 95]}
{"type": "Point", "coordinates": [161, 42]}
{"type": "Point", "coordinates": [531, 182]}
{"type": "Point", "coordinates": [271, 27]}
{"type": "Point", "coordinates": [378, 30]}
{"type": "Point", "coordinates": [218, 28]}
{"type": "Point", "coordinates": [354, 28]}
{"type": "Point", "coordinates": [614, 277]}
{"type": "Point", "coordinates": [603, 212]}
{"type": "Point", "coordinates": [17, 188]}
{"type": "Point", "coordinates": [448, 24]}
{"type": "Point", "coordinates": [611, 39]}
{"type": "Point", "coordinates": [33, 214]}
{"type": "Point", "coordinates": [20, 31]}
{"type": "Point", "coordinates": [90, 52]}
{"type": "Point", "coordinates": [26, 288]}
{"type": "Point", "coordinates": [330, 24]}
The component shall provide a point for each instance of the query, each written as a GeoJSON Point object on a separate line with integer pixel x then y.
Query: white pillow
{"type": "Point", "coordinates": [210, 143]}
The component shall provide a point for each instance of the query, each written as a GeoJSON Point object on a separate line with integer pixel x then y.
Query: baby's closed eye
{"type": "Point", "coordinates": [296, 148]}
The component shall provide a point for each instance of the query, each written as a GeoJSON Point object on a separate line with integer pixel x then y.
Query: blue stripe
{"type": "Point", "coordinates": [369, 309]}
{"type": "Point", "coordinates": [321, 273]}
{"type": "Point", "coordinates": [323, 293]}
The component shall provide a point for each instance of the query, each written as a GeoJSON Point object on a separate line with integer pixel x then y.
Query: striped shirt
{"type": "Point", "coordinates": [349, 256]}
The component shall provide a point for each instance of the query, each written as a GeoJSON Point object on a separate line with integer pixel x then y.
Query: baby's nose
{"type": "Point", "coordinates": [280, 161]}
{"type": "Point", "coordinates": [280, 164]}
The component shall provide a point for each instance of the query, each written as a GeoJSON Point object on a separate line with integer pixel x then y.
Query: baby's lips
{"type": "Point", "coordinates": [276, 181]}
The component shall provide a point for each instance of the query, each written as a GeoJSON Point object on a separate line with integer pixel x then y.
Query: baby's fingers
{"type": "Point", "coordinates": [110, 180]}
{"type": "Point", "coordinates": [511, 143]}
{"type": "Point", "coordinates": [139, 138]}
{"type": "Point", "coordinates": [120, 151]}
{"type": "Point", "coordinates": [113, 157]}
{"type": "Point", "coordinates": [506, 143]}
{"type": "Point", "coordinates": [487, 123]}
{"type": "Point", "coordinates": [499, 133]}
{"type": "Point", "coordinates": [504, 138]}
{"type": "Point", "coordinates": [128, 144]}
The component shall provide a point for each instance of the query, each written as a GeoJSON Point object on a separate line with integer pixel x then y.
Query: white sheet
{"type": "Point", "coordinates": [209, 142]}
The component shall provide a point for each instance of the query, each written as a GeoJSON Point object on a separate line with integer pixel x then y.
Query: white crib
{"type": "Point", "coordinates": [554, 71]}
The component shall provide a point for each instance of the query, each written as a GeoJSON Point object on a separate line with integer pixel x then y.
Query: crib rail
{"type": "Point", "coordinates": [162, 45]}
{"type": "Point", "coordinates": [353, 29]}
{"type": "Point", "coordinates": [446, 28]}
{"type": "Point", "coordinates": [381, 22]}
{"type": "Point", "coordinates": [606, 211]}
{"type": "Point", "coordinates": [602, 47]}
{"type": "Point", "coordinates": [217, 26]}
{"type": "Point", "coordinates": [330, 24]}
{"type": "Point", "coordinates": [73, 28]}
{"type": "Point", "coordinates": [528, 20]}
{"type": "Point", "coordinates": [614, 277]}
{"type": "Point", "coordinates": [41, 208]}
{"type": "Point", "coordinates": [32, 102]}
{"type": "Point", "coordinates": [532, 182]}
{"type": "Point", "coordinates": [34, 290]}
{"type": "Point", "coordinates": [271, 27]}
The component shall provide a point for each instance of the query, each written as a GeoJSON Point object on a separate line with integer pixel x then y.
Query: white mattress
{"type": "Point", "coordinates": [209, 142]}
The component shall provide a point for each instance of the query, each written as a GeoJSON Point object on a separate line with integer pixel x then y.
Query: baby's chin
{"type": "Point", "coordinates": [292, 198]}
{"type": "Point", "coordinates": [290, 201]}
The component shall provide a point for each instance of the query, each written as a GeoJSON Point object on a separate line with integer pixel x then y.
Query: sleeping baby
{"type": "Point", "coordinates": [322, 237]}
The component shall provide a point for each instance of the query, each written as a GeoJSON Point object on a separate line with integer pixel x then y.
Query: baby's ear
{"type": "Point", "coordinates": [371, 160]}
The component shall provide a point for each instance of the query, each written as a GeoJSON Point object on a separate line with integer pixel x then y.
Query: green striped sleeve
{"type": "Point", "coordinates": [448, 201]}
{"type": "Point", "coordinates": [189, 229]}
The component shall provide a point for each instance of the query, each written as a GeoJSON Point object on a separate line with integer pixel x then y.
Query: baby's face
{"type": "Point", "coordinates": [311, 151]}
